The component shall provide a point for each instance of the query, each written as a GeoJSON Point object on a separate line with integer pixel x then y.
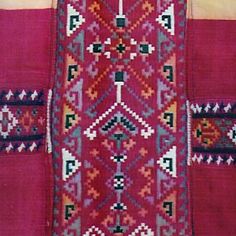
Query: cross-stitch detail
{"type": "Point", "coordinates": [22, 120]}
{"type": "Point", "coordinates": [167, 19]}
{"type": "Point", "coordinates": [142, 230]}
{"type": "Point", "coordinates": [94, 231]}
{"type": "Point", "coordinates": [213, 131]}
{"type": "Point", "coordinates": [8, 121]}
{"type": "Point", "coordinates": [74, 20]}
{"type": "Point", "coordinates": [120, 126]}
{"type": "Point", "coordinates": [232, 134]}
{"type": "Point", "coordinates": [114, 60]}
{"type": "Point", "coordinates": [171, 142]}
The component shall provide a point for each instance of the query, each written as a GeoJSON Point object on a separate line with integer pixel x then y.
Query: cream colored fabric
{"type": "Point", "coordinates": [212, 9]}
{"type": "Point", "coordinates": [27, 4]}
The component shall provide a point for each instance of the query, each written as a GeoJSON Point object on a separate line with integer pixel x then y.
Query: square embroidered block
{"type": "Point", "coordinates": [212, 133]}
{"type": "Point", "coordinates": [22, 120]}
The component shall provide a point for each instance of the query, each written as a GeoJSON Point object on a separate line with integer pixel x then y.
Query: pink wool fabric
{"type": "Point", "coordinates": [26, 70]}
{"type": "Point", "coordinates": [211, 86]}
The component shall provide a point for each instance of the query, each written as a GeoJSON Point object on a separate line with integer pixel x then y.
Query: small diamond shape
{"type": "Point", "coordinates": [232, 134]}
{"type": "Point", "coordinates": [7, 121]}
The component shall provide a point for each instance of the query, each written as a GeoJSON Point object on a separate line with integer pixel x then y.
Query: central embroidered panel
{"type": "Point", "coordinates": [116, 170]}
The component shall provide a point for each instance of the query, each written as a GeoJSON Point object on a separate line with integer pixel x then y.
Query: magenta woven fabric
{"type": "Point", "coordinates": [26, 74]}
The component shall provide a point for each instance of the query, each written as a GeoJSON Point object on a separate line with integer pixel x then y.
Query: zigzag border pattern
{"type": "Point", "coordinates": [179, 223]}
{"type": "Point", "coordinates": [56, 118]}
{"type": "Point", "coordinates": [184, 218]}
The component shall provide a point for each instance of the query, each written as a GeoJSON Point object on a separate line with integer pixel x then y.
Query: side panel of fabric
{"type": "Point", "coordinates": [211, 74]}
{"type": "Point", "coordinates": [26, 68]}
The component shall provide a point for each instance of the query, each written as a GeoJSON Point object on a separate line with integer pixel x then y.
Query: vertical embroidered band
{"type": "Point", "coordinates": [119, 142]}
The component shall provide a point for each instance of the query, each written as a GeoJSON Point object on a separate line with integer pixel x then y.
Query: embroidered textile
{"type": "Point", "coordinates": [118, 87]}
{"type": "Point", "coordinates": [117, 118]}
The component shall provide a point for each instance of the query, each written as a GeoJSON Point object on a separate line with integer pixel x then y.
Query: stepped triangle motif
{"type": "Point", "coordinates": [167, 19]}
{"type": "Point", "coordinates": [168, 162]}
{"type": "Point", "coordinates": [70, 164]}
{"type": "Point", "coordinates": [74, 20]}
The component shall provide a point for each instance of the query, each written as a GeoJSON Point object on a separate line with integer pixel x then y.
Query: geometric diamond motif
{"type": "Point", "coordinates": [206, 133]}
{"type": "Point", "coordinates": [7, 121]}
{"type": "Point", "coordinates": [212, 129]}
{"type": "Point", "coordinates": [232, 134]}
